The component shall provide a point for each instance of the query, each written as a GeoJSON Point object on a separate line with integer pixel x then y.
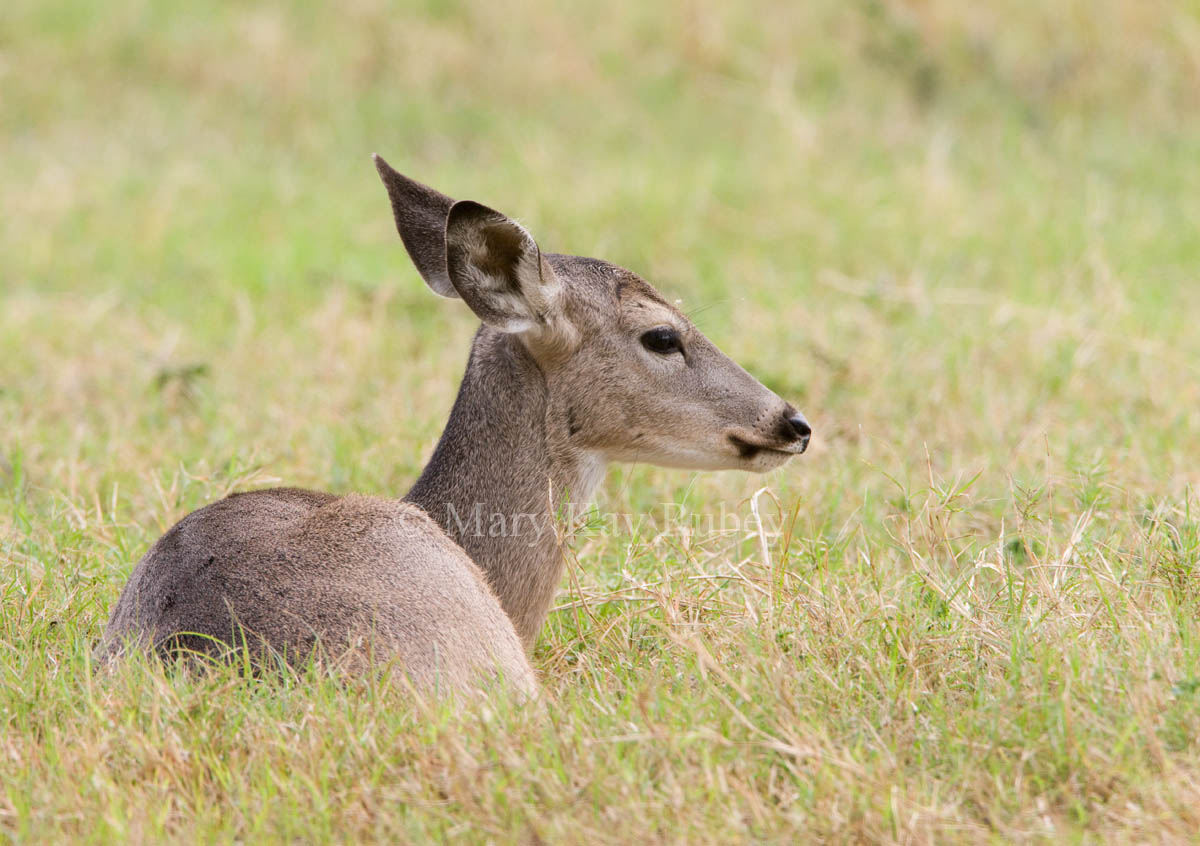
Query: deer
{"type": "Point", "coordinates": [577, 363]}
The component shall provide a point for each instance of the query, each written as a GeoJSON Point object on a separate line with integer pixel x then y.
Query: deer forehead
{"type": "Point", "coordinates": [603, 296]}
{"type": "Point", "coordinates": [641, 315]}
{"type": "Point", "coordinates": [640, 306]}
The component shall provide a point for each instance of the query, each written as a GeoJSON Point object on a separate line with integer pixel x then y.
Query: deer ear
{"type": "Point", "coordinates": [498, 270]}
{"type": "Point", "coordinates": [421, 221]}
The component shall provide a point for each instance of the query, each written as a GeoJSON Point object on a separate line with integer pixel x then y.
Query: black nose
{"type": "Point", "coordinates": [801, 428]}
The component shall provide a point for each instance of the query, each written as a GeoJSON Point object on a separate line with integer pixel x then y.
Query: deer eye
{"type": "Point", "coordinates": [663, 340]}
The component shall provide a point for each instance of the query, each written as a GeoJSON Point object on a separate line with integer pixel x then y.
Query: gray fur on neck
{"type": "Point", "coordinates": [495, 487]}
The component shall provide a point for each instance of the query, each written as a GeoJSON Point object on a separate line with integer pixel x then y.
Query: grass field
{"type": "Point", "coordinates": [962, 238]}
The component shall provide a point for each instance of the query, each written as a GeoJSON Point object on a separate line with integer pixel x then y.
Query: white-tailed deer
{"type": "Point", "coordinates": [578, 363]}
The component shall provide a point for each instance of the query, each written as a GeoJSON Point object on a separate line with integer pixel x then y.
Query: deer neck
{"type": "Point", "coordinates": [497, 487]}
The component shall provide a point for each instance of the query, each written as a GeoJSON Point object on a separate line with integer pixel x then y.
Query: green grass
{"type": "Point", "coordinates": [962, 239]}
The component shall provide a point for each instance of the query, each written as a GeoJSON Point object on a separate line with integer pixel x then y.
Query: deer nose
{"type": "Point", "coordinates": [801, 429]}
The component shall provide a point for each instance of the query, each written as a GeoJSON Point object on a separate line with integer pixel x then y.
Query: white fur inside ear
{"type": "Point", "coordinates": [515, 326]}
{"type": "Point", "coordinates": [439, 282]}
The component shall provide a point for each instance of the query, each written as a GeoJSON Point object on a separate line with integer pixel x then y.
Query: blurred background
{"type": "Point", "coordinates": [956, 235]}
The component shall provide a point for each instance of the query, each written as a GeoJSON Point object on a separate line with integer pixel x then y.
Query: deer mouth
{"type": "Point", "coordinates": [748, 450]}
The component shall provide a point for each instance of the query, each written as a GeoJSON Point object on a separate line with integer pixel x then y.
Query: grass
{"type": "Point", "coordinates": [963, 241]}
